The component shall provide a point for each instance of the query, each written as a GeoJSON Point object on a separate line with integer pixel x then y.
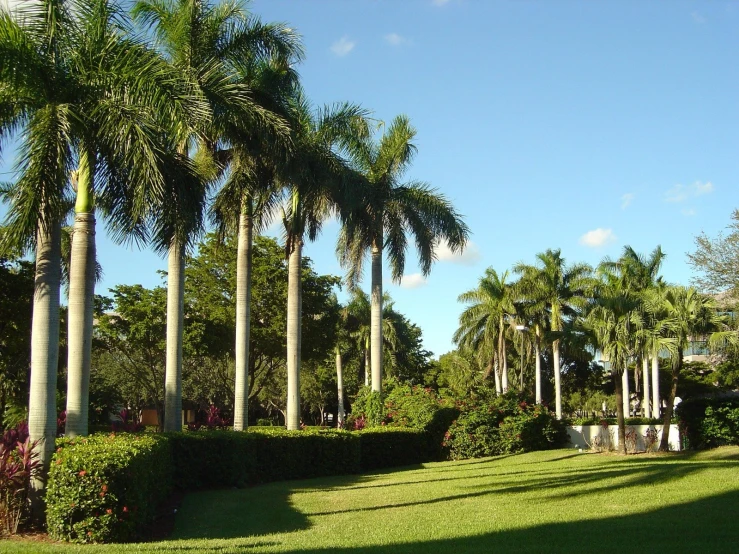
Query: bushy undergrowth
{"type": "Point", "coordinates": [383, 447]}
{"type": "Point", "coordinates": [709, 421]}
{"type": "Point", "coordinates": [18, 465]}
{"type": "Point", "coordinates": [104, 488]}
{"type": "Point", "coordinates": [507, 424]}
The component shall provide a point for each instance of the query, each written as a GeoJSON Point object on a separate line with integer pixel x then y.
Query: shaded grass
{"type": "Point", "coordinates": [556, 501]}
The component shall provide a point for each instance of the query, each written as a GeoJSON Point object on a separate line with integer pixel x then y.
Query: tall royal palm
{"type": "Point", "coordinates": [205, 42]}
{"type": "Point", "coordinates": [315, 180]}
{"type": "Point", "coordinates": [562, 291]}
{"type": "Point", "coordinates": [483, 324]}
{"type": "Point", "coordinates": [390, 209]}
{"type": "Point", "coordinates": [80, 93]}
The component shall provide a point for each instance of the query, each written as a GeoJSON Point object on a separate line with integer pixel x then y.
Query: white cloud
{"type": "Point", "coordinates": [412, 281]}
{"type": "Point", "coordinates": [688, 212]}
{"type": "Point", "coordinates": [395, 39]}
{"type": "Point", "coordinates": [470, 256]}
{"type": "Point", "coordinates": [343, 46]}
{"type": "Point", "coordinates": [598, 237]}
{"type": "Point", "coordinates": [626, 199]}
{"type": "Point", "coordinates": [680, 193]}
{"type": "Point", "coordinates": [697, 18]}
{"type": "Point", "coordinates": [439, 2]}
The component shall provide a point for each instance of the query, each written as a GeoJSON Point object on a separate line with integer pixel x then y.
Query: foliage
{"type": "Point", "coordinates": [383, 447]}
{"type": "Point", "coordinates": [369, 406]}
{"type": "Point", "coordinates": [228, 459]}
{"type": "Point", "coordinates": [709, 421]}
{"type": "Point", "coordinates": [727, 373]}
{"type": "Point", "coordinates": [505, 424]}
{"type": "Point", "coordinates": [106, 487]}
{"type": "Point", "coordinates": [18, 465]}
{"type": "Point", "coordinates": [718, 259]}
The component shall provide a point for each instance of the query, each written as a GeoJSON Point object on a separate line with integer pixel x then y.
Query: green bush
{"type": "Point", "coordinates": [228, 459]}
{"type": "Point", "coordinates": [383, 447]}
{"type": "Point", "coordinates": [506, 424]}
{"type": "Point", "coordinates": [106, 487]}
{"type": "Point", "coordinates": [707, 422]}
{"type": "Point", "coordinates": [368, 408]}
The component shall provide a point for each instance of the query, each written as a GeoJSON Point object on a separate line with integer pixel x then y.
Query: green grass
{"type": "Point", "coordinates": [554, 502]}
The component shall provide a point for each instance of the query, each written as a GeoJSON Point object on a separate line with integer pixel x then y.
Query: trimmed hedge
{"type": "Point", "coordinates": [104, 488]}
{"type": "Point", "coordinates": [711, 421]}
{"type": "Point", "coordinates": [229, 459]}
{"type": "Point", "coordinates": [383, 447]}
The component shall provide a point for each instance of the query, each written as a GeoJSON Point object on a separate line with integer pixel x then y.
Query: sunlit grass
{"type": "Point", "coordinates": [559, 501]}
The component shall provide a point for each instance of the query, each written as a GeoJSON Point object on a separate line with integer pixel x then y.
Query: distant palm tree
{"type": "Point", "coordinates": [562, 291]}
{"type": "Point", "coordinates": [390, 209]}
{"type": "Point", "coordinates": [206, 42]}
{"type": "Point", "coordinates": [483, 324]}
{"type": "Point", "coordinates": [688, 315]}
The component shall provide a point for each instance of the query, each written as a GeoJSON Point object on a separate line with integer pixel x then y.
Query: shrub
{"type": "Point", "coordinates": [506, 424]}
{"type": "Point", "coordinates": [383, 447]}
{"type": "Point", "coordinates": [18, 465]}
{"type": "Point", "coordinates": [106, 487]}
{"type": "Point", "coordinates": [228, 459]}
{"type": "Point", "coordinates": [368, 407]}
{"type": "Point", "coordinates": [711, 421]}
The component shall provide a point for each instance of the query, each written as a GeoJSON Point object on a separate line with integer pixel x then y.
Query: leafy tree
{"type": "Point", "coordinates": [390, 209]}
{"type": "Point", "coordinates": [717, 259]}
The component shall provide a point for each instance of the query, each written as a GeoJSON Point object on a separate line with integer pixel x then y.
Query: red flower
{"type": "Point", "coordinates": [125, 509]}
{"type": "Point", "coordinates": [105, 488]}
{"type": "Point", "coordinates": [82, 473]}
{"type": "Point", "coordinates": [108, 511]}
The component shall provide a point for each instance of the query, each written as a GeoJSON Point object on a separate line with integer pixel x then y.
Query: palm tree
{"type": "Point", "coordinates": [613, 318]}
{"type": "Point", "coordinates": [207, 43]}
{"type": "Point", "coordinates": [535, 316]}
{"type": "Point", "coordinates": [389, 209]}
{"type": "Point", "coordinates": [316, 178]}
{"type": "Point", "coordinates": [79, 91]}
{"type": "Point", "coordinates": [482, 325]}
{"type": "Point", "coordinates": [249, 196]}
{"type": "Point", "coordinates": [687, 314]}
{"type": "Point", "coordinates": [562, 291]}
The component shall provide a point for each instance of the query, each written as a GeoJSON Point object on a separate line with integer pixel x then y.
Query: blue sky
{"type": "Point", "coordinates": [584, 126]}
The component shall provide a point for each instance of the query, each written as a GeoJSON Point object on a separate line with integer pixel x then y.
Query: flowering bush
{"type": "Point", "coordinates": [213, 420]}
{"type": "Point", "coordinates": [18, 465]}
{"type": "Point", "coordinates": [500, 425]}
{"type": "Point", "coordinates": [707, 422]}
{"type": "Point", "coordinates": [369, 406]}
{"type": "Point", "coordinates": [127, 423]}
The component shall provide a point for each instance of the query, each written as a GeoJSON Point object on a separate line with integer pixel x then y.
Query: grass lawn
{"type": "Point", "coordinates": [554, 502]}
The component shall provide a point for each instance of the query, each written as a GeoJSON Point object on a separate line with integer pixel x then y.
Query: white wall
{"type": "Point", "coordinates": [585, 436]}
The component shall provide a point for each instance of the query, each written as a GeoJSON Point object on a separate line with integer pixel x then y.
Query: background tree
{"type": "Point", "coordinates": [717, 260]}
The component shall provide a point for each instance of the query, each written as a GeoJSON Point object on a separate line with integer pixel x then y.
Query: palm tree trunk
{"type": "Point", "coordinates": [293, 337]}
{"type": "Point", "coordinates": [538, 367]}
{"type": "Point", "coordinates": [367, 363]}
{"type": "Point", "coordinates": [677, 365]}
{"type": "Point", "coordinates": [625, 388]}
{"type": "Point", "coordinates": [44, 356]}
{"type": "Point", "coordinates": [175, 333]}
{"type": "Point", "coordinates": [496, 372]}
{"type": "Point", "coordinates": [376, 316]}
{"type": "Point", "coordinates": [645, 377]}
{"type": "Point", "coordinates": [620, 412]}
{"type": "Point", "coordinates": [557, 379]}
{"type": "Point", "coordinates": [655, 387]}
{"type": "Point", "coordinates": [81, 296]}
{"type": "Point", "coordinates": [243, 312]}
{"type": "Point", "coordinates": [340, 389]}
{"type": "Point", "coordinates": [503, 357]}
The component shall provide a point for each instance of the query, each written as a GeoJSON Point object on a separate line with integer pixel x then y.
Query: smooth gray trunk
{"type": "Point", "coordinates": [503, 362]}
{"type": "Point", "coordinates": [496, 372]}
{"type": "Point", "coordinates": [645, 385]}
{"type": "Point", "coordinates": [44, 356]}
{"type": "Point", "coordinates": [376, 317]}
{"type": "Point", "coordinates": [79, 350]}
{"type": "Point", "coordinates": [655, 387]}
{"type": "Point", "coordinates": [557, 379]}
{"type": "Point", "coordinates": [243, 310]}
{"type": "Point", "coordinates": [367, 369]}
{"type": "Point", "coordinates": [340, 388]}
{"type": "Point", "coordinates": [625, 389]}
{"type": "Point", "coordinates": [175, 332]}
{"type": "Point", "coordinates": [538, 367]}
{"type": "Point", "coordinates": [293, 338]}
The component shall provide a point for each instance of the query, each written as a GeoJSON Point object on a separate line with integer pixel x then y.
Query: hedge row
{"type": "Point", "coordinates": [106, 488]}
{"type": "Point", "coordinates": [711, 421]}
